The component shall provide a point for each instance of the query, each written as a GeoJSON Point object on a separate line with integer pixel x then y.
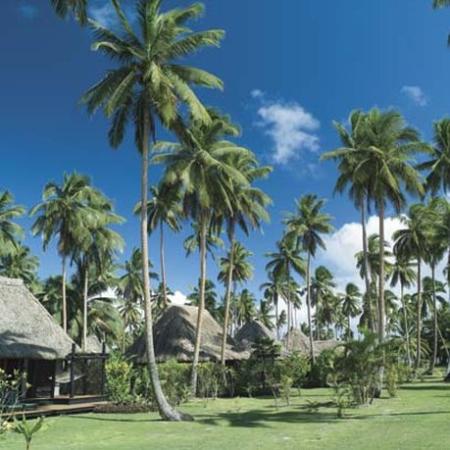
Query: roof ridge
{"type": "Point", "coordinates": [11, 281]}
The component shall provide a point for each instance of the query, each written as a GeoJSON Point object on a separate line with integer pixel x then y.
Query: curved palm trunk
{"type": "Point", "coordinates": [165, 409]}
{"type": "Point", "coordinates": [288, 306]}
{"type": "Point", "coordinates": [405, 321]}
{"type": "Point", "coordinates": [275, 301]}
{"type": "Point", "coordinates": [64, 300]}
{"type": "Point", "coordinates": [419, 311]}
{"type": "Point", "coordinates": [435, 322]}
{"type": "Point", "coordinates": [201, 304]}
{"type": "Point", "coordinates": [349, 333]}
{"type": "Point", "coordinates": [308, 305]}
{"type": "Point", "coordinates": [85, 303]}
{"type": "Point", "coordinates": [227, 301]}
{"type": "Point", "coordinates": [367, 305]}
{"type": "Point", "coordinates": [163, 263]}
{"type": "Point", "coordinates": [381, 305]}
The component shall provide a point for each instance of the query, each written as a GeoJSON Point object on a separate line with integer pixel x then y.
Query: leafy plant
{"type": "Point", "coordinates": [392, 379]}
{"type": "Point", "coordinates": [28, 429]}
{"type": "Point", "coordinates": [118, 379]}
{"type": "Point", "coordinates": [9, 393]}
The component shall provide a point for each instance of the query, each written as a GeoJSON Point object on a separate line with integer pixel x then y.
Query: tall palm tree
{"type": "Point", "coordinates": [245, 308]}
{"type": "Point", "coordinates": [350, 304]}
{"type": "Point", "coordinates": [265, 315]}
{"type": "Point", "coordinates": [306, 225]}
{"type": "Point", "coordinates": [403, 273]}
{"type": "Point", "coordinates": [272, 291]}
{"type": "Point", "coordinates": [10, 232]}
{"type": "Point", "coordinates": [200, 168]}
{"type": "Point", "coordinates": [163, 209]}
{"type": "Point", "coordinates": [63, 214]}
{"type": "Point", "coordinates": [235, 265]}
{"type": "Point", "coordinates": [281, 263]}
{"type": "Point", "coordinates": [353, 141]}
{"type": "Point", "coordinates": [150, 84]}
{"type": "Point", "coordinates": [387, 163]}
{"type": "Point", "coordinates": [322, 286]}
{"type": "Point", "coordinates": [210, 297]}
{"type": "Point", "coordinates": [412, 242]}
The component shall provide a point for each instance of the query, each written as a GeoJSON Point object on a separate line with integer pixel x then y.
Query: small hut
{"type": "Point", "coordinates": [30, 339]}
{"type": "Point", "coordinates": [251, 332]}
{"type": "Point", "coordinates": [174, 338]}
{"type": "Point", "coordinates": [299, 342]}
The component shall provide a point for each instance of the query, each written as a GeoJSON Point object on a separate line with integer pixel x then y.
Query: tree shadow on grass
{"type": "Point", "coordinates": [105, 418]}
{"type": "Point", "coordinates": [426, 387]}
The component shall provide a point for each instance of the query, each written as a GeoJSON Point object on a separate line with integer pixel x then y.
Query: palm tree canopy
{"type": "Point", "coordinates": [242, 270]}
{"type": "Point", "coordinates": [10, 232]}
{"type": "Point", "coordinates": [150, 82]}
{"type": "Point", "coordinates": [76, 7]}
{"type": "Point", "coordinates": [308, 223]}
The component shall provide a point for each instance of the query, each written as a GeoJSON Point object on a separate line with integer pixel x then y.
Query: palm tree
{"type": "Point", "coordinates": [350, 304]}
{"type": "Point", "coordinates": [151, 84]}
{"type": "Point", "coordinates": [9, 230]}
{"type": "Point", "coordinates": [412, 242]}
{"type": "Point", "coordinates": [163, 209]}
{"type": "Point", "coordinates": [282, 262]}
{"type": "Point", "coordinates": [192, 242]}
{"type": "Point", "coordinates": [348, 155]}
{"type": "Point", "coordinates": [307, 225]}
{"type": "Point", "coordinates": [322, 286]}
{"type": "Point", "coordinates": [63, 214]}
{"type": "Point", "coordinates": [272, 290]}
{"type": "Point", "coordinates": [200, 168]}
{"type": "Point", "coordinates": [76, 7]}
{"type": "Point", "coordinates": [210, 297]}
{"type": "Point", "coordinates": [234, 266]}
{"type": "Point", "coordinates": [403, 273]}
{"type": "Point", "coordinates": [20, 263]}
{"type": "Point", "coordinates": [245, 307]}
{"type": "Point", "coordinates": [264, 314]}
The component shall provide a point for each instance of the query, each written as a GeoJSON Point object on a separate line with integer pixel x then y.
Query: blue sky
{"type": "Point", "coordinates": [290, 68]}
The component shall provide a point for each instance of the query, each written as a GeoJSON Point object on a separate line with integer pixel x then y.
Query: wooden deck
{"type": "Point", "coordinates": [55, 409]}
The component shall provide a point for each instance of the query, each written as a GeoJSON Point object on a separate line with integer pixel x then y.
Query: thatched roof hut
{"type": "Point", "coordinates": [93, 345]}
{"type": "Point", "coordinates": [27, 330]}
{"type": "Point", "coordinates": [251, 332]}
{"type": "Point", "coordinates": [174, 338]}
{"type": "Point", "coordinates": [299, 342]}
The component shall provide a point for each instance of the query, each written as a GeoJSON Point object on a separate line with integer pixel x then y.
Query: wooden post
{"type": "Point", "coordinates": [103, 369]}
{"type": "Point", "coordinates": [53, 380]}
{"type": "Point", "coordinates": [72, 373]}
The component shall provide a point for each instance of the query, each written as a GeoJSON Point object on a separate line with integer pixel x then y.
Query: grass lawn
{"type": "Point", "coordinates": [418, 418]}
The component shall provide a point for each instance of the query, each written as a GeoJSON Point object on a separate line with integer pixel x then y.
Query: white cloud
{"type": "Point", "coordinates": [415, 94]}
{"type": "Point", "coordinates": [290, 127]}
{"type": "Point", "coordinates": [178, 298]}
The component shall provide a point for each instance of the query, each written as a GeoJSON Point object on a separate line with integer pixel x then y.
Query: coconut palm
{"type": "Point", "coordinates": [412, 242]}
{"type": "Point", "coordinates": [403, 273]}
{"type": "Point", "coordinates": [387, 164]}
{"type": "Point", "coordinates": [151, 84]}
{"type": "Point", "coordinates": [210, 297]}
{"type": "Point", "coordinates": [322, 286]}
{"type": "Point", "coordinates": [245, 307]}
{"type": "Point", "coordinates": [192, 242]}
{"type": "Point", "coordinates": [163, 210]}
{"type": "Point", "coordinates": [353, 141]}
{"type": "Point", "coordinates": [63, 214]}
{"type": "Point", "coordinates": [306, 225]}
{"type": "Point", "coordinates": [272, 290]}
{"type": "Point", "coordinates": [235, 266]}
{"type": "Point", "coordinates": [350, 304]}
{"type": "Point", "coordinates": [264, 314]}
{"type": "Point", "coordinates": [20, 263]}
{"type": "Point", "coordinates": [10, 232]}
{"type": "Point", "coordinates": [281, 263]}
{"type": "Point", "coordinates": [200, 168]}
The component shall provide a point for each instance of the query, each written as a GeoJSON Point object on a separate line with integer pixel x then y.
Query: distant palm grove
{"type": "Point", "coordinates": [393, 326]}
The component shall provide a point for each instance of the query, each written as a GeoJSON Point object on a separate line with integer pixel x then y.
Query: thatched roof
{"type": "Point", "coordinates": [174, 336]}
{"type": "Point", "coordinates": [27, 330]}
{"type": "Point", "coordinates": [299, 342]}
{"type": "Point", "coordinates": [252, 331]}
{"type": "Point", "coordinates": [93, 345]}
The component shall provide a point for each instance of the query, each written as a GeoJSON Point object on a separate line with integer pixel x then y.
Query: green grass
{"type": "Point", "coordinates": [418, 418]}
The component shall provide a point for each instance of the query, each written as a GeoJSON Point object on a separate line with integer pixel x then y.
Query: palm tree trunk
{"type": "Point", "coordinates": [64, 300]}
{"type": "Point", "coordinates": [419, 311]}
{"type": "Point", "coordinates": [381, 305]}
{"type": "Point", "coordinates": [405, 321]}
{"type": "Point", "coordinates": [275, 300]}
{"type": "Point", "coordinates": [288, 301]}
{"type": "Point", "coordinates": [201, 304]}
{"type": "Point", "coordinates": [165, 409]}
{"type": "Point", "coordinates": [163, 263]}
{"type": "Point", "coordinates": [308, 306]}
{"type": "Point", "coordinates": [435, 322]}
{"type": "Point", "coordinates": [349, 333]}
{"type": "Point", "coordinates": [227, 300]}
{"type": "Point", "coordinates": [85, 302]}
{"type": "Point", "coordinates": [368, 306]}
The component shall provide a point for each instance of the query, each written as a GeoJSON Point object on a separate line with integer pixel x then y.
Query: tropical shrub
{"type": "Point", "coordinates": [392, 379]}
{"type": "Point", "coordinates": [175, 381]}
{"type": "Point", "coordinates": [118, 379]}
{"type": "Point", "coordinates": [28, 429]}
{"type": "Point", "coordinates": [9, 393]}
{"type": "Point", "coordinates": [322, 369]}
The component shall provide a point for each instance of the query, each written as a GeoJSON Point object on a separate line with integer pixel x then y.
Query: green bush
{"type": "Point", "coordinates": [175, 381]}
{"type": "Point", "coordinates": [392, 379]}
{"type": "Point", "coordinates": [118, 379]}
{"type": "Point", "coordinates": [322, 369]}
